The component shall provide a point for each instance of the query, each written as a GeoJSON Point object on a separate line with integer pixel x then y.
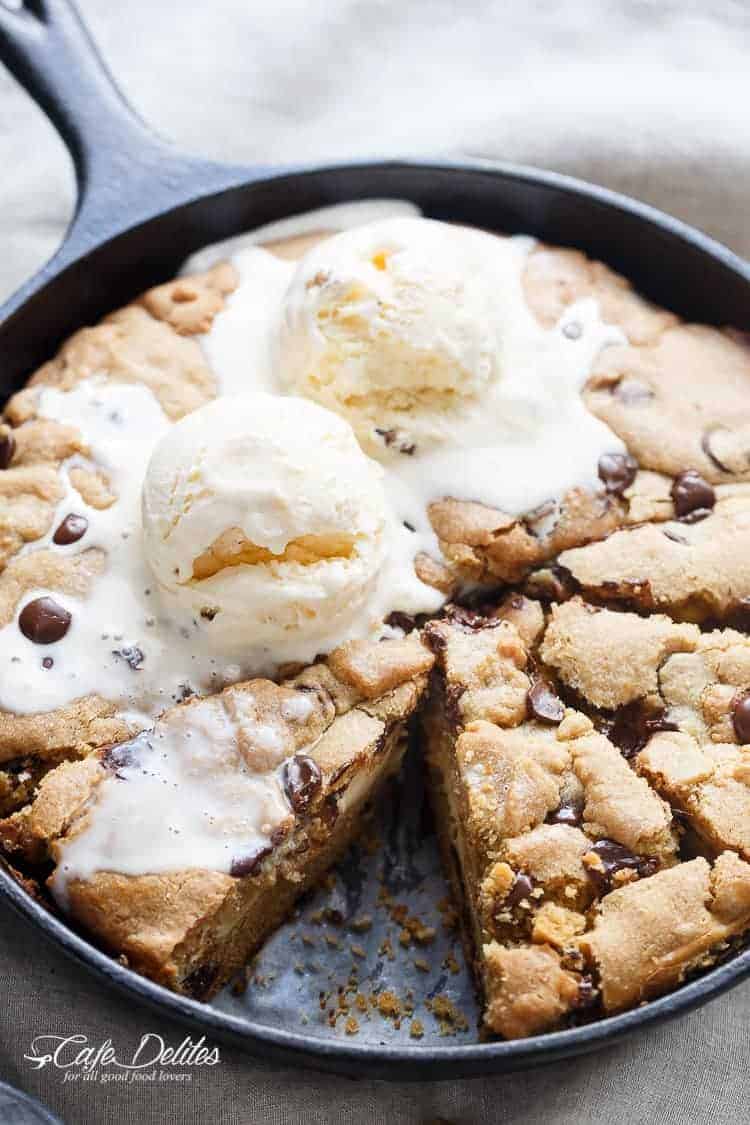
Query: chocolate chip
{"type": "Point", "coordinates": [614, 857]}
{"type": "Point", "coordinates": [131, 654]}
{"type": "Point", "coordinates": [47, 662]}
{"type": "Point", "coordinates": [522, 887]}
{"type": "Point", "coordinates": [634, 724]}
{"type": "Point", "coordinates": [70, 530]}
{"type": "Point", "coordinates": [543, 704]}
{"type": "Point", "coordinates": [617, 471]}
{"type": "Point", "coordinates": [302, 780]}
{"type": "Point", "coordinates": [208, 612]}
{"type": "Point", "coordinates": [741, 718]}
{"type": "Point", "coordinates": [7, 447]}
{"type": "Point", "coordinates": [250, 864]}
{"type": "Point", "coordinates": [43, 621]}
{"type": "Point", "coordinates": [567, 813]}
{"type": "Point", "coordinates": [691, 492]}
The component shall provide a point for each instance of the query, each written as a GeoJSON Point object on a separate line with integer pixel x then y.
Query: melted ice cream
{"type": "Point", "coordinates": [182, 798]}
{"type": "Point", "coordinates": [518, 438]}
{"type": "Point", "coordinates": [525, 437]}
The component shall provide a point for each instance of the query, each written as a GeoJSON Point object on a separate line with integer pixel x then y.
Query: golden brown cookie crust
{"type": "Point", "coordinates": [578, 875]}
{"type": "Point", "coordinates": [171, 926]}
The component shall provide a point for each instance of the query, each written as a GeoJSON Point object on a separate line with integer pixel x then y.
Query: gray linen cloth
{"type": "Point", "coordinates": [648, 98]}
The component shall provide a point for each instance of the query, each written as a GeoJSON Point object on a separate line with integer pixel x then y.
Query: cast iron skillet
{"type": "Point", "coordinates": [142, 207]}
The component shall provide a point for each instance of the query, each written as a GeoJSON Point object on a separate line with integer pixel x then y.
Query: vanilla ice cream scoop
{"type": "Point", "coordinates": [265, 522]}
{"type": "Point", "coordinates": [394, 325]}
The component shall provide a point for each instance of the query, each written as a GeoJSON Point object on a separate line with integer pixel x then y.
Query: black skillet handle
{"type": "Point", "coordinates": [125, 173]}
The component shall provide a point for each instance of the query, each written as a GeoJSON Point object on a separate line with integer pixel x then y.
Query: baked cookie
{"type": "Point", "coordinates": [269, 783]}
{"type": "Point", "coordinates": [564, 777]}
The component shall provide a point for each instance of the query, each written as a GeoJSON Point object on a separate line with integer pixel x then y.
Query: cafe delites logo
{"type": "Point", "coordinates": [152, 1060]}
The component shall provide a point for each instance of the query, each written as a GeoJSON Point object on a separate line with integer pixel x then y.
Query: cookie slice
{"type": "Point", "coordinates": [183, 848]}
{"type": "Point", "coordinates": [542, 822]}
{"type": "Point", "coordinates": [674, 700]}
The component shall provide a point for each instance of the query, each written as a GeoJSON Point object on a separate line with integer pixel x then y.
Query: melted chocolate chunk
{"type": "Point", "coordinates": [543, 704]}
{"type": "Point", "coordinates": [634, 724]}
{"type": "Point", "coordinates": [302, 781]}
{"type": "Point", "coordinates": [522, 887]}
{"type": "Point", "coordinates": [71, 529]}
{"type": "Point", "coordinates": [250, 864]}
{"type": "Point", "coordinates": [466, 616]}
{"type": "Point", "coordinates": [132, 655]}
{"type": "Point", "coordinates": [7, 448]}
{"type": "Point", "coordinates": [567, 813]}
{"type": "Point", "coordinates": [617, 471]}
{"type": "Point", "coordinates": [44, 621]}
{"type": "Point", "coordinates": [399, 620]}
{"type": "Point", "coordinates": [741, 718]}
{"type": "Point", "coordinates": [614, 858]}
{"type": "Point", "coordinates": [691, 493]}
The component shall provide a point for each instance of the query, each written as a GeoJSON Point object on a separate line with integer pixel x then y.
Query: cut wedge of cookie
{"type": "Point", "coordinates": [182, 849]}
{"type": "Point", "coordinates": [560, 850]}
{"type": "Point", "coordinates": [675, 700]}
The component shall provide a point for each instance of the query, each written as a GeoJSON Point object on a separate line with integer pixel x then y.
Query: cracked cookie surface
{"type": "Point", "coordinates": [592, 803]}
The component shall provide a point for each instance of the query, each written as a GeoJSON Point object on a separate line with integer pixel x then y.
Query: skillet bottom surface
{"type": "Point", "coordinates": [373, 955]}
